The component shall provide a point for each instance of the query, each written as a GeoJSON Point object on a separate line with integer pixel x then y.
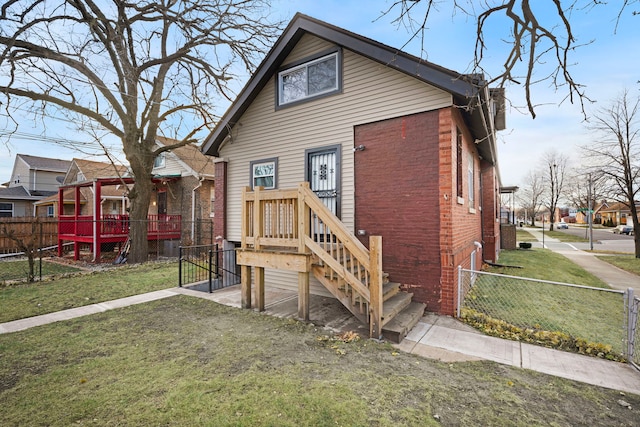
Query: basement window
{"type": "Point", "coordinates": [310, 79]}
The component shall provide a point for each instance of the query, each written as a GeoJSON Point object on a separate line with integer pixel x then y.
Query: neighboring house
{"type": "Point", "coordinates": [389, 144]}
{"type": "Point", "coordinates": [179, 211]}
{"type": "Point", "coordinates": [184, 185]}
{"type": "Point", "coordinates": [32, 178]}
{"type": "Point", "coordinates": [113, 198]}
{"type": "Point", "coordinates": [615, 213]}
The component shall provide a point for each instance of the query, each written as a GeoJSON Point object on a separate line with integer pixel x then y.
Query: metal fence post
{"type": "Point", "coordinates": [459, 290]}
{"type": "Point", "coordinates": [630, 318]}
{"type": "Point", "coordinates": [180, 266]}
{"type": "Point", "coordinates": [210, 271]}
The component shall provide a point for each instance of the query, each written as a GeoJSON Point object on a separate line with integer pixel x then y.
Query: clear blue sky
{"type": "Point", "coordinates": [606, 67]}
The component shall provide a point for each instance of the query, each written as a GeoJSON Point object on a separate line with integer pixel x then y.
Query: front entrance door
{"type": "Point", "coordinates": [323, 174]}
{"type": "Point", "coordinates": [162, 203]}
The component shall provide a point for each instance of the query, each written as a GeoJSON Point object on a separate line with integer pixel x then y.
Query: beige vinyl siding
{"type": "Point", "coordinates": [21, 173]}
{"type": "Point", "coordinates": [171, 166]}
{"type": "Point", "coordinates": [371, 92]}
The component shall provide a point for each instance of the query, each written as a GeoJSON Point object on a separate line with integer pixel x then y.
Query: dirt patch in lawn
{"type": "Point", "coordinates": [186, 361]}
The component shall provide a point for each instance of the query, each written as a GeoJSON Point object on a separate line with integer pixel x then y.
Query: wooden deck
{"type": "Point", "coordinates": [112, 229]}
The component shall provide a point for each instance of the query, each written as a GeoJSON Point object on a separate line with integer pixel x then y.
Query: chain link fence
{"type": "Point", "coordinates": [592, 319]}
{"type": "Point", "coordinates": [634, 331]}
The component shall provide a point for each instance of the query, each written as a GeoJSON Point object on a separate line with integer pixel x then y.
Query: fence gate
{"type": "Point", "coordinates": [207, 267]}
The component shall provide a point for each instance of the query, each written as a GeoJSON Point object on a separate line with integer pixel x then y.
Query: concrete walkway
{"type": "Point", "coordinates": [435, 337]}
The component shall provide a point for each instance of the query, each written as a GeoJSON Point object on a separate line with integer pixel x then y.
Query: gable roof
{"type": "Point", "coordinates": [94, 170]}
{"type": "Point", "coordinates": [45, 163]}
{"type": "Point", "coordinates": [464, 88]}
{"type": "Point", "coordinates": [191, 157]}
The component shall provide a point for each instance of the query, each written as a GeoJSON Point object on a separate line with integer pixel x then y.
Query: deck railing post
{"type": "Point", "coordinates": [258, 217]}
{"type": "Point", "coordinates": [245, 218]}
{"type": "Point", "coordinates": [304, 217]}
{"type": "Point", "coordinates": [375, 287]}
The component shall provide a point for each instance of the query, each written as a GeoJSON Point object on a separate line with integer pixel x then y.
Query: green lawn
{"type": "Point", "coordinates": [625, 262]}
{"type": "Point", "coordinates": [18, 270]}
{"type": "Point", "coordinates": [31, 299]}
{"type": "Point", "coordinates": [595, 316]}
{"type": "Point", "coordinates": [184, 361]}
{"type": "Point", "coordinates": [544, 264]}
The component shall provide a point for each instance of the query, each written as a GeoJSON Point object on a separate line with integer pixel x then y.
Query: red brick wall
{"type": "Point", "coordinates": [396, 180]}
{"type": "Point", "coordinates": [220, 203]}
{"type": "Point", "coordinates": [490, 211]}
{"type": "Point", "coordinates": [461, 222]}
{"type": "Point", "coordinates": [405, 183]}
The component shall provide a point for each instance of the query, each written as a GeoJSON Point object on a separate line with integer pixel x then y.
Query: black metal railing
{"type": "Point", "coordinates": [207, 267]}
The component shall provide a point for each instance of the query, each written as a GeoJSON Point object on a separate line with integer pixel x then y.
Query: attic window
{"type": "Point", "coordinates": [310, 79]}
{"type": "Point", "coordinates": [159, 161]}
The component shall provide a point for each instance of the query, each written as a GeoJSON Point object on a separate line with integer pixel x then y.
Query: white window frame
{"type": "Point", "coordinates": [159, 161]}
{"type": "Point", "coordinates": [6, 210]}
{"type": "Point", "coordinates": [50, 211]}
{"type": "Point", "coordinates": [471, 179]}
{"type": "Point", "coordinates": [265, 162]}
{"type": "Point", "coordinates": [304, 67]}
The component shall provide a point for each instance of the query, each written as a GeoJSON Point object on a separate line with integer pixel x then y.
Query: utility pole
{"type": "Point", "coordinates": [590, 211]}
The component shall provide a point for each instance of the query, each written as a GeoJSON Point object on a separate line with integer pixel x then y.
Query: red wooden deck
{"type": "Point", "coordinates": [98, 229]}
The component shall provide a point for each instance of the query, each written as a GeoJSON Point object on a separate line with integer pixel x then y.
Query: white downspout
{"type": "Point", "coordinates": [193, 209]}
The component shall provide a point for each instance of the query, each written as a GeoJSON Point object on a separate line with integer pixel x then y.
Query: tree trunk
{"type": "Point", "coordinates": [139, 220]}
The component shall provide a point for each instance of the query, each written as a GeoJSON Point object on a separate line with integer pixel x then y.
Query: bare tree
{"type": "Point", "coordinates": [134, 70]}
{"type": "Point", "coordinates": [556, 169]}
{"type": "Point", "coordinates": [530, 195]}
{"type": "Point", "coordinates": [616, 152]}
{"type": "Point", "coordinates": [26, 236]}
{"type": "Point", "coordinates": [541, 35]}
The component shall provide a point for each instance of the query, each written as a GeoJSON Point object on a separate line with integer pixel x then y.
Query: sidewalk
{"type": "Point", "coordinates": [434, 337]}
{"type": "Point", "coordinates": [610, 274]}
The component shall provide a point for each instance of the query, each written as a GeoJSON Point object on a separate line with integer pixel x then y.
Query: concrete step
{"type": "Point", "coordinates": [390, 289]}
{"type": "Point", "coordinates": [403, 322]}
{"type": "Point", "coordinates": [395, 305]}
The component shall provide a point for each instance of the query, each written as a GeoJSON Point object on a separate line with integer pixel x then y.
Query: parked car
{"type": "Point", "coordinates": [562, 225]}
{"type": "Point", "coordinates": [623, 229]}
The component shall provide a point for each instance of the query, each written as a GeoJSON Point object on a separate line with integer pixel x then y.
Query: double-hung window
{"type": "Point", "coordinates": [317, 77]}
{"type": "Point", "coordinates": [470, 174]}
{"type": "Point", "coordinates": [6, 210]}
{"type": "Point", "coordinates": [159, 161]}
{"type": "Point", "coordinates": [263, 173]}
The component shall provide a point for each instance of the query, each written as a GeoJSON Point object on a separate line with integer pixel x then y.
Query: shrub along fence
{"type": "Point", "coordinates": [596, 321]}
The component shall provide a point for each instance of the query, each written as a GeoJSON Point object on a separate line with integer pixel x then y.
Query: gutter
{"type": "Point", "coordinates": [193, 209]}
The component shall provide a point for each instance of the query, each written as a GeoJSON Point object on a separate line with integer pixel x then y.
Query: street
{"type": "Point", "coordinates": [603, 239]}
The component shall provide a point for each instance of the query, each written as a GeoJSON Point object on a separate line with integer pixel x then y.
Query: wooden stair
{"type": "Point", "coordinates": [400, 314]}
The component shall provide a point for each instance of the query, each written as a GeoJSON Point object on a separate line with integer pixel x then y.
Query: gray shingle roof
{"type": "Point", "coordinates": [45, 163]}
